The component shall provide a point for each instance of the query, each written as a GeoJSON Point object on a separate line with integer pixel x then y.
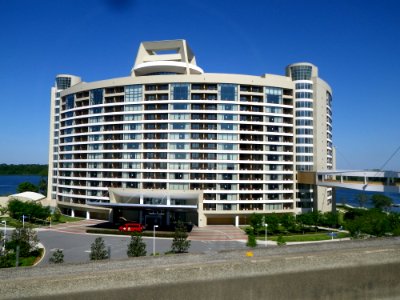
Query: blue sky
{"type": "Point", "coordinates": [355, 44]}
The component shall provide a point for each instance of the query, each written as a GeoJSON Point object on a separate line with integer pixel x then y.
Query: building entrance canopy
{"type": "Point", "coordinates": [153, 199]}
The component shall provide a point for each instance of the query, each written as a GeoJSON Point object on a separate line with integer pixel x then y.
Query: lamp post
{"type": "Point", "coordinates": [266, 234]}
{"type": "Point", "coordinates": [154, 239]}
{"type": "Point", "coordinates": [5, 234]}
{"type": "Point", "coordinates": [23, 221]}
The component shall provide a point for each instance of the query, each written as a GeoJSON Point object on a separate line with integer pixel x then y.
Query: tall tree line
{"type": "Point", "coordinates": [23, 169]}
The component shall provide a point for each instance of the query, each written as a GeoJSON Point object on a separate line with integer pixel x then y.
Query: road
{"type": "Point", "coordinates": [76, 246]}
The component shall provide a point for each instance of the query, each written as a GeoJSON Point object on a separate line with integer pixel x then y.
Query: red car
{"type": "Point", "coordinates": [132, 227]}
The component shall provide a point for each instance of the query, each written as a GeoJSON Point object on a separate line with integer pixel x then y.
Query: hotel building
{"type": "Point", "coordinates": [171, 141]}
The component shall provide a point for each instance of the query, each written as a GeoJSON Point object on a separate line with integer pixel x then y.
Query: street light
{"type": "Point", "coordinates": [266, 234]}
{"type": "Point", "coordinates": [5, 234]}
{"type": "Point", "coordinates": [154, 239]}
{"type": "Point", "coordinates": [23, 221]}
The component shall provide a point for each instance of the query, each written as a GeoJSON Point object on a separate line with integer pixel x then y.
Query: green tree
{"type": "Point", "coordinates": [180, 244]}
{"type": "Point", "coordinates": [257, 222]}
{"type": "Point", "coordinates": [288, 221]}
{"type": "Point", "coordinates": [251, 239]}
{"type": "Point", "coordinates": [371, 222]}
{"type": "Point", "coordinates": [27, 187]}
{"type": "Point", "coordinates": [56, 215]}
{"type": "Point", "coordinates": [330, 219]}
{"type": "Point", "coordinates": [382, 202]}
{"type": "Point", "coordinates": [98, 250]}
{"type": "Point", "coordinates": [136, 247]}
{"type": "Point", "coordinates": [273, 222]}
{"type": "Point", "coordinates": [27, 240]}
{"type": "Point", "coordinates": [42, 186]}
{"type": "Point", "coordinates": [57, 257]}
{"type": "Point", "coordinates": [362, 199]}
{"type": "Point", "coordinates": [35, 210]}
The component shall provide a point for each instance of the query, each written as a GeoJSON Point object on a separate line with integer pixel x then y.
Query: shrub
{"type": "Point", "coordinates": [98, 250]}
{"type": "Point", "coordinates": [280, 241]}
{"type": "Point", "coordinates": [251, 240]}
{"type": "Point", "coordinates": [180, 244]}
{"type": "Point", "coordinates": [57, 257]}
{"type": "Point", "coordinates": [136, 246]}
{"type": "Point", "coordinates": [56, 215]}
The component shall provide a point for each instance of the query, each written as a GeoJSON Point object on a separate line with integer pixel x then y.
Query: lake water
{"type": "Point", "coordinates": [348, 196]}
{"type": "Point", "coordinates": [9, 183]}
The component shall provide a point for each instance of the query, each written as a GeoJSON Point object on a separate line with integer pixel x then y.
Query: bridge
{"type": "Point", "coordinates": [370, 181]}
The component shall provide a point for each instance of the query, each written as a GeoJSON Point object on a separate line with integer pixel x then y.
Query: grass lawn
{"type": "Point", "coordinates": [15, 223]}
{"type": "Point", "coordinates": [309, 237]}
{"type": "Point", "coordinates": [11, 222]}
{"type": "Point", "coordinates": [65, 219]}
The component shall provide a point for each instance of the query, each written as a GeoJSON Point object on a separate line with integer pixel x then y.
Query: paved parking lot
{"type": "Point", "coordinates": [75, 242]}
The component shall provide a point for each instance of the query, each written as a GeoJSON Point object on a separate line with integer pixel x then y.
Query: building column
{"type": "Point", "coordinates": [87, 215]}
{"type": "Point", "coordinates": [141, 217]}
{"type": "Point", "coordinates": [72, 213]}
{"type": "Point", "coordinates": [168, 200]}
{"type": "Point", "coordinates": [141, 199]}
{"type": "Point", "coordinates": [237, 221]}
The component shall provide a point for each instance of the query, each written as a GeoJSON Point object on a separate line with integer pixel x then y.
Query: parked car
{"type": "Point", "coordinates": [131, 227]}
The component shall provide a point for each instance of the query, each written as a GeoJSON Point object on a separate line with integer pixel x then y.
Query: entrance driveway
{"type": "Point", "coordinates": [217, 233]}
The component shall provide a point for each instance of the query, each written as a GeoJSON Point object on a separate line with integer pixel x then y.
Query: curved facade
{"type": "Point", "coordinates": [171, 141]}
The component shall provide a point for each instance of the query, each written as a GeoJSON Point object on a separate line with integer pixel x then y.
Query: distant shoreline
{"type": "Point", "coordinates": [23, 170]}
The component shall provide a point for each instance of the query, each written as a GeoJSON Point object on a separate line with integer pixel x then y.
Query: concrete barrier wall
{"type": "Point", "coordinates": [362, 282]}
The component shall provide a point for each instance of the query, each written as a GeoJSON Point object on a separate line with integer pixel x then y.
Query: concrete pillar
{"type": "Point", "coordinates": [72, 213]}
{"type": "Point", "coordinates": [168, 199]}
{"type": "Point", "coordinates": [237, 221]}
{"type": "Point", "coordinates": [141, 199]}
{"type": "Point", "coordinates": [111, 216]}
{"type": "Point", "coordinates": [87, 215]}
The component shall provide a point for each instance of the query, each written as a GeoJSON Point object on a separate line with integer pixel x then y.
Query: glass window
{"type": "Point", "coordinates": [303, 122]}
{"type": "Point", "coordinates": [227, 126]}
{"type": "Point", "coordinates": [180, 106]}
{"type": "Point", "coordinates": [304, 113]}
{"type": "Point", "coordinates": [307, 95]}
{"type": "Point", "coordinates": [228, 92]}
{"type": "Point", "coordinates": [274, 99]}
{"type": "Point", "coordinates": [70, 101]}
{"type": "Point", "coordinates": [273, 95]}
{"type": "Point", "coordinates": [304, 86]}
{"type": "Point", "coordinates": [96, 96]}
{"type": "Point", "coordinates": [63, 82]}
{"type": "Point", "coordinates": [303, 131]}
{"type": "Point", "coordinates": [307, 104]}
{"type": "Point", "coordinates": [133, 93]}
{"type": "Point", "coordinates": [178, 125]}
{"type": "Point", "coordinates": [301, 72]}
{"type": "Point", "coordinates": [180, 91]}
{"type": "Point", "coordinates": [180, 155]}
